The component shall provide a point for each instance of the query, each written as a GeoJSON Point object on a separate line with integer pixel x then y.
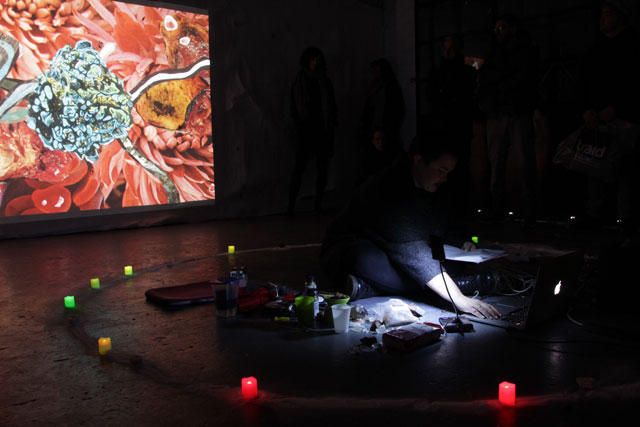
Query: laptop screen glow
{"type": "Point", "coordinates": [556, 290]}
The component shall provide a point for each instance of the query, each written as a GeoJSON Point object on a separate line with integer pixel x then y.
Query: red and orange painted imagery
{"type": "Point", "coordinates": [145, 69]}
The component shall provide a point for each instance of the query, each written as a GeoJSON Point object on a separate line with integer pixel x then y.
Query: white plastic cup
{"type": "Point", "coordinates": [341, 314]}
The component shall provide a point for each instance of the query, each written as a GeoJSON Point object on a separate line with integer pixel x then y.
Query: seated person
{"type": "Point", "coordinates": [379, 243]}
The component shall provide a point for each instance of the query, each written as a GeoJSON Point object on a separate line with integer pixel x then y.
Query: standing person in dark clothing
{"type": "Point", "coordinates": [382, 118]}
{"type": "Point", "coordinates": [313, 109]}
{"type": "Point", "coordinates": [508, 96]}
{"type": "Point", "coordinates": [380, 242]}
{"type": "Point", "coordinates": [450, 91]}
{"type": "Point", "coordinates": [612, 92]}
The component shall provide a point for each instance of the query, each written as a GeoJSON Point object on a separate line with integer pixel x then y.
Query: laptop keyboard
{"type": "Point", "coordinates": [516, 316]}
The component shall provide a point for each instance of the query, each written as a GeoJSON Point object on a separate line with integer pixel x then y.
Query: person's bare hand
{"type": "Point", "coordinates": [478, 308]}
{"type": "Point", "coordinates": [468, 246]}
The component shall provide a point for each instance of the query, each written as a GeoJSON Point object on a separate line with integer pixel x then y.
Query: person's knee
{"type": "Point", "coordinates": [366, 258]}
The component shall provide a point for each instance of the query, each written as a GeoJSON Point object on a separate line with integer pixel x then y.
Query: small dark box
{"type": "Point", "coordinates": [437, 249]}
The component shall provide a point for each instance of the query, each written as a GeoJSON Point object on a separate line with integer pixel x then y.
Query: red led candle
{"type": "Point", "coordinates": [249, 388]}
{"type": "Point", "coordinates": [507, 393]}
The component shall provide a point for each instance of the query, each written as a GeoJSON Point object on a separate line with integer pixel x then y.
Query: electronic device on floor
{"type": "Point", "coordinates": [556, 283]}
{"type": "Point", "coordinates": [456, 324]}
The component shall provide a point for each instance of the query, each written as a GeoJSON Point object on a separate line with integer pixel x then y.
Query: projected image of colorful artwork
{"type": "Point", "coordinates": [102, 105]}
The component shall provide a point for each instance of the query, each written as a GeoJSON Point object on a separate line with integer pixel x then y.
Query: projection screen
{"type": "Point", "coordinates": [104, 106]}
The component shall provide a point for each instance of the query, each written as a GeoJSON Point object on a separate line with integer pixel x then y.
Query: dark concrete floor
{"type": "Point", "coordinates": [184, 367]}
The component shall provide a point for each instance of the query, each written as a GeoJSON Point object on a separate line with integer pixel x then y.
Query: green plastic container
{"type": "Point", "coordinates": [304, 308]}
{"type": "Point", "coordinates": [328, 314]}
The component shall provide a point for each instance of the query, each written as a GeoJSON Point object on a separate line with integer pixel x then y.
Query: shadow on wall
{"type": "Point", "coordinates": [256, 47]}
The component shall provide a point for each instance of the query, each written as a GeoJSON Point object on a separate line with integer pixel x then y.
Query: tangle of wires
{"type": "Point", "coordinates": [511, 280]}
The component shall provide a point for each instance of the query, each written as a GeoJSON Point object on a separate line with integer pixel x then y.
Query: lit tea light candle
{"type": "Point", "coordinates": [249, 388]}
{"type": "Point", "coordinates": [231, 250]}
{"type": "Point", "coordinates": [95, 283]}
{"type": "Point", "coordinates": [69, 302]}
{"type": "Point", "coordinates": [507, 393]}
{"type": "Point", "coordinates": [104, 345]}
{"type": "Point", "coordinates": [128, 270]}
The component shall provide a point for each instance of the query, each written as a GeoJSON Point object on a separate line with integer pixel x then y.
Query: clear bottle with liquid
{"type": "Point", "coordinates": [311, 290]}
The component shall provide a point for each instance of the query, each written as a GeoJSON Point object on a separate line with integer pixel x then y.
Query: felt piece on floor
{"type": "Point", "coordinates": [178, 296]}
{"type": "Point", "coordinates": [202, 292]}
{"type": "Point", "coordinates": [250, 300]}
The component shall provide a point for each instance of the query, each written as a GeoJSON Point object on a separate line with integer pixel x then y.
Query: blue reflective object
{"type": "Point", "coordinates": [79, 104]}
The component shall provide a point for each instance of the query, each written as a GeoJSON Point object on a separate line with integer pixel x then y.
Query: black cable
{"type": "Point", "coordinates": [607, 330]}
{"type": "Point", "coordinates": [455, 309]}
{"type": "Point", "coordinates": [517, 335]}
{"type": "Point", "coordinates": [457, 320]}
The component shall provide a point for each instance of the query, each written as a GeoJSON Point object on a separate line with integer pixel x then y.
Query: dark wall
{"type": "Point", "coordinates": [256, 49]}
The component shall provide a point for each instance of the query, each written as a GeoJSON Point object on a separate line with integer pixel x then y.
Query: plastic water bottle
{"type": "Point", "coordinates": [311, 290]}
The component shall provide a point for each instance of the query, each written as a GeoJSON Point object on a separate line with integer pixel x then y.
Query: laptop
{"type": "Point", "coordinates": [556, 283]}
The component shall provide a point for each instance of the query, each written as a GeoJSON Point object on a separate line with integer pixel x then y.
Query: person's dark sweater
{"type": "Point", "coordinates": [313, 110]}
{"type": "Point", "coordinates": [610, 76]}
{"type": "Point", "coordinates": [507, 83]}
{"type": "Point", "coordinates": [397, 217]}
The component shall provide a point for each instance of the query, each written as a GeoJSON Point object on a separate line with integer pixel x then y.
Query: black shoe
{"type": "Point", "coordinates": [357, 289]}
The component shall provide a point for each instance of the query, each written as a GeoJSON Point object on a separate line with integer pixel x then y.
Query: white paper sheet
{"type": "Point", "coordinates": [475, 256]}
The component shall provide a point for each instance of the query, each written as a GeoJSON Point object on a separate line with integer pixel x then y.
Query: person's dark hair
{"type": "Point", "coordinates": [312, 52]}
{"type": "Point", "coordinates": [431, 145]}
